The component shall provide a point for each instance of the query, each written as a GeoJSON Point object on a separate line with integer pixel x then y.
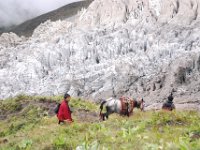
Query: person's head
{"type": "Point", "coordinates": [67, 97]}
{"type": "Point", "coordinates": [170, 97]}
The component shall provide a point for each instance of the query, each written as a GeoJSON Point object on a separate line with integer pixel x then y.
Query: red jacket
{"type": "Point", "coordinates": [64, 112]}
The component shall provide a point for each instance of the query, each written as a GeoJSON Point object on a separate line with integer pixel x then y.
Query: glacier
{"type": "Point", "coordinates": [137, 48]}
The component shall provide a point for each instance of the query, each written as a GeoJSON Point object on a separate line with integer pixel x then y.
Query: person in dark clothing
{"type": "Point", "coordinates": [64, 112]}
{"type": "Point", "coordinates": [169, 105]}
{"type": "Point", "coordinates": [170, 97]}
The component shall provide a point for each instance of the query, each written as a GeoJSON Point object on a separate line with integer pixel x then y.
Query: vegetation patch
{"type": "Point", "coordinates": [34, 126]}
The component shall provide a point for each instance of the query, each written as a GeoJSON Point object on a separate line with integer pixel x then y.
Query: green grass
{"type": "Point", "coordinates": [32, 128]}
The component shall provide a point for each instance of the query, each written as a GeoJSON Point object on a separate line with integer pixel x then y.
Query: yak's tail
{"type": "Point", "coordinates": [101, 107]}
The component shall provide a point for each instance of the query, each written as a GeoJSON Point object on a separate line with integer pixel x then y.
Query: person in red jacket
{"type": "Point", "coordinates": [64, 113]}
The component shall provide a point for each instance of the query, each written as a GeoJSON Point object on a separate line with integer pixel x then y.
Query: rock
{"type": "Point", "coordinates": [134, 48]}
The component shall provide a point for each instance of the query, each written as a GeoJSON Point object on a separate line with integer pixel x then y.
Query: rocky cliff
{"type": "Point", "coordinates": [138, 48]}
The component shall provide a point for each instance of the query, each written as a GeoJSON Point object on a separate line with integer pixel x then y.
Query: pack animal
{"type": "Point", "coordinates": [122, 106]}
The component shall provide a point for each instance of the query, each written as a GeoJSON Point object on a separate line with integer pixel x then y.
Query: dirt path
{"type": "Point", "coordinates": [83, 115]}
{"type": "Point", "coordinates": [86, 116]}
{"type": "Point", "coordinates": [179, 106]}
{"type": "Point", "coordinates": [49, 106]}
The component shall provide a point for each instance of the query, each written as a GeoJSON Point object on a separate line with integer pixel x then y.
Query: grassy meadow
{"type": "Point", "coordinates": [28, 123]}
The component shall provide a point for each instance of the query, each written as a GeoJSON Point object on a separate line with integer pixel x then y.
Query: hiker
{"type": "Point", "coordinates": [64, 112]}
{"type": "Point", "coordinates": [169, 105]}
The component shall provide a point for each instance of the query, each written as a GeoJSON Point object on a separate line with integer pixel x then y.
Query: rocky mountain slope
{"type": "Point", "coordinates": [63, 13]}
{"type": "Point", "coordinates": [138, 48]}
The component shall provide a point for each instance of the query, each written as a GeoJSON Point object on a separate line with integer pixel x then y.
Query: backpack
{"type": "Point", "coordinates": [57, 108]}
